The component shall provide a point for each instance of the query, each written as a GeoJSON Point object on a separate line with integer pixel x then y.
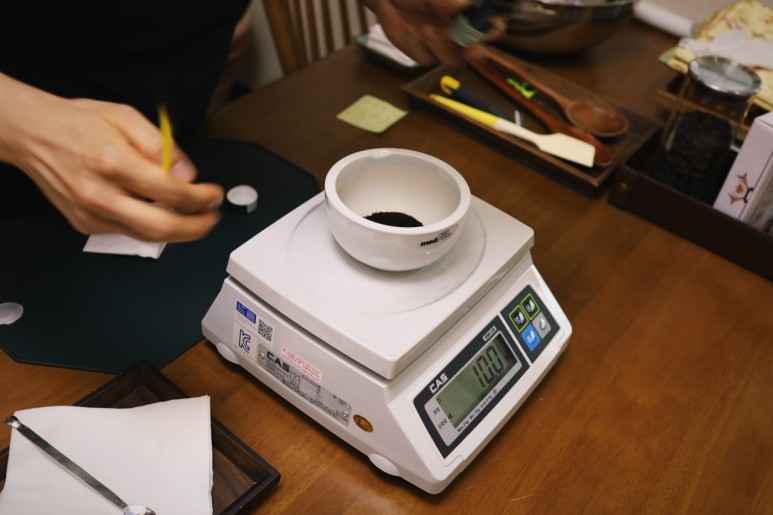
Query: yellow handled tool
{"type": "Point", "coordinates": [454, 89]}
{"type": "Point", "coordinates": [557, 144]}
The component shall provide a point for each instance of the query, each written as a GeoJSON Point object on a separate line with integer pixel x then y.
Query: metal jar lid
{"type": "Point", "coordinates": [725, 77]}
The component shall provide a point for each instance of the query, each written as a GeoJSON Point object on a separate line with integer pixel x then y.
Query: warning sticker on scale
{"type": "Point", "coordinates": [291, 370]}
{"type": "Point", "coordinates": [302, 365]}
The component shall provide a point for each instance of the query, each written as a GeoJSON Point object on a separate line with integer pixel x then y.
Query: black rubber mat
{"type": "Point", "coordinates": [106, 312]}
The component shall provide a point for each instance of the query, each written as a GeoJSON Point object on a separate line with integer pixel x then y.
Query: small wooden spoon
{"type": "Point", "coordinates": [593, 118]}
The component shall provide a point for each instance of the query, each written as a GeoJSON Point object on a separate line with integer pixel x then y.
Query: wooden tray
{"type": "Point", "coordinates": [633, 189]}
{"type": "Point", "coordinates": [587, 180]}
{"type": "Point", "coordinates": [239, 474]}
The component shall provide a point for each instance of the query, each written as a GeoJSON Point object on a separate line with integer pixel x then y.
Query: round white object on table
{"type": "Point", "coordinates": [242, 198]}
{"type": "Point", "coordinates": [10, 312]}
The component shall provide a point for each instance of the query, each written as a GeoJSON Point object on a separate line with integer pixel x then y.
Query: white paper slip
{"type": "Point", "coordinates": [378, 41]}
{"type": "Point", "coordinates": [158, 455]}
{"type": "Point", "coordinates": [123, 245]}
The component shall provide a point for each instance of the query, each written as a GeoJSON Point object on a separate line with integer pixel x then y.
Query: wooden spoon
{"type": "Point", "coordinates": [603, 155]}
{"type": "Point", "coordinates": [594, 118]}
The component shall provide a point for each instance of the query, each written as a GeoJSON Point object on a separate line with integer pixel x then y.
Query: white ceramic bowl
{"type": "Point", "coordinates": [395, 183]}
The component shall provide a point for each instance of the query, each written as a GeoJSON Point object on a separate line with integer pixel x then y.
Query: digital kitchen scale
{"type": "Point", "coordinates": [418, 370]}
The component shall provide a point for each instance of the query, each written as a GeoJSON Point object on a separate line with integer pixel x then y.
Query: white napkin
{"type": "Point", "coordinates": [123, 245]}
{"type": "Point", "coordinates": [159, 456]}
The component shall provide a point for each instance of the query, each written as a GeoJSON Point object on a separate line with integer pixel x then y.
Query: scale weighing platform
{"type": "Point", "coordinates": [418, 370]}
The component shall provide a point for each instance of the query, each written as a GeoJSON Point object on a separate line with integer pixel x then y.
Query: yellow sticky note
{"type": "Point", "coordinates": [371, 114]}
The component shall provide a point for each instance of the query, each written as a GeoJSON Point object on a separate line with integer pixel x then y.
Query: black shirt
{"type": "Point", "coordinates": [137, 52]}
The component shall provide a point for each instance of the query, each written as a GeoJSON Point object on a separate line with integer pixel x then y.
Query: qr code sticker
{"type": "Point", "coordinates": [265, 330]}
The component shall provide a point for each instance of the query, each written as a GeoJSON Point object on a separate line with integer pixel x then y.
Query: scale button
{"type": "Point", "coordinates": [542, 325]}
{"type": "Point", "coordinates": [531, 337]}
{"type": "Point", "coordinates": [518, 319]}
{"type": "Point", "coordinates": [530, 306]}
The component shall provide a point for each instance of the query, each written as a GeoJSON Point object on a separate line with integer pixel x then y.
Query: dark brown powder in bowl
{"type": "Point", "coordinates": [394, 218]}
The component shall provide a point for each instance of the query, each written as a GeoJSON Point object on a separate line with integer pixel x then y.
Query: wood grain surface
{"type": "Point", "coordinates": [663, 400]}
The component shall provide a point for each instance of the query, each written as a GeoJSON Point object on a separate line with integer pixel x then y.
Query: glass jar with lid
{"type": "Point", "coordinates": [707, 119]}
{"type": "Point", "coordinates": [719, 87]}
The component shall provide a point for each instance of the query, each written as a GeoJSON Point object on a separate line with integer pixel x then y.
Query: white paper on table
{"type": "Point", "coordinates": [664, 18]}
{"type": "Point", "coordinates": [158, 455]}
{"type": "Point", "coordinates": [378, 41]}
{"type": "Point", "coordinates": [123, 245]}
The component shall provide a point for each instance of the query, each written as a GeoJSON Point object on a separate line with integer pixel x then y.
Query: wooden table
{"type": "Point", "coordinates": [663, 400]}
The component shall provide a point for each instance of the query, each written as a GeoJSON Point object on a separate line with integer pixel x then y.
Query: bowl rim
{"type": "Point", "coordinates": [332, 197]}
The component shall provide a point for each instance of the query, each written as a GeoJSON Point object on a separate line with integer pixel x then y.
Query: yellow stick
{"type": "Point", "coordinates": [166, 138]}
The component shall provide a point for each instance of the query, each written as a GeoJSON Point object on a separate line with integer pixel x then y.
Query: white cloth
{"type": "Point", "coordinates": [734, 44]}
{"type": "Point", "coordinates": [158, 455]}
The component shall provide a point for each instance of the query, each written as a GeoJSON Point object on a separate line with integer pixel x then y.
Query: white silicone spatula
{"type": "Point", "coordinates": [557, 144]}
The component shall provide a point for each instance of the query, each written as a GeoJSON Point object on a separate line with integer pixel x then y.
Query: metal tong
{"type": "Point", "coordinates": [76, 470]}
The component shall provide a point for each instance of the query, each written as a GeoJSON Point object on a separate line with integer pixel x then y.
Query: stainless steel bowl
{"type": "Point", "coordinates": [561, 27]}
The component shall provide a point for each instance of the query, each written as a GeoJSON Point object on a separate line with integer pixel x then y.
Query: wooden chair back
{"type": "Point", "coordinates": [304, 31]}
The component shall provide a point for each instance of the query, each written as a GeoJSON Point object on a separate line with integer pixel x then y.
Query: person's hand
{"type": "Point", "coordinates": [420, 28]}
{"type": "Point", "coordinates": [100, 164]}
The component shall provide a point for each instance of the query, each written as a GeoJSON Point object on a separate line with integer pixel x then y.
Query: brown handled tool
{"type": "Point", "coordinates": [599, 120]}
{"type": "Point", "coordinates": [478, 59]}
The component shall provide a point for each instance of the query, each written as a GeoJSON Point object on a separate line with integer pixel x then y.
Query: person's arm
{"type": "Point", "coordinates": [420, 27]}
{"type": "Point", "coordinates": [99, 163]}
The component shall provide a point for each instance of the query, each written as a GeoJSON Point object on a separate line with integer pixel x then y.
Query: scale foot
{"type": "Point", "coordinates": [226, 352]}
{"type": "Point", "coordinates": [384, 464]}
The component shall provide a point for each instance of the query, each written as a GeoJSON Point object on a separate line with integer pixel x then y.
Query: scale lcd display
{"type": "Point", "coordinates": [476, 380]}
